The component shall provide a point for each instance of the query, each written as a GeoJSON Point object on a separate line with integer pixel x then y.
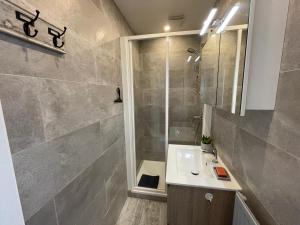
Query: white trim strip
{"type": "Point", "coordinates": [132, 112]}
{"type": "Point", "coordinates": [247, 59]}
{"type": "Point", "coordinates": [148, 191]}
{"type": "Point", "coordinates": [167, 98]}
{"type": "Point", "coordinates": [128, 123]}
{"type": "Point", "coordinates": [161, 35]}
{"type": "Point", "coordinates": [237, 27]}
{"type": "Point", "coordinates": [236, 71]}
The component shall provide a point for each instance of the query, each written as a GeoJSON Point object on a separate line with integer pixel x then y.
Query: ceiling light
{"type": "Point", "coordinates": [167, 28]}
{"type": "Point", "coordinates": [228, 18]}
{"type": "Point", "coordinates": [197, 59]}
{"type": "Point", "coordinates": [208, 21]}
{"type": "Point", "coordinates": [189, 58]}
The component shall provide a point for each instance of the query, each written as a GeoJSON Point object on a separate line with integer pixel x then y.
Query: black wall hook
{"type": "Point", "coordinates": [118, 100]}
{"type": "Point", "coordinates": [28, 21]}
{"type": "Point", "coordinates": [56, 35]}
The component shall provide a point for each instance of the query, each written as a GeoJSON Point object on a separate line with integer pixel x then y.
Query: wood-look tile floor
{"type": "Point", "coordinates": [143, 212]}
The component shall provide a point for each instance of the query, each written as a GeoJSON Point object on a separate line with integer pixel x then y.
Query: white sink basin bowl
{"type": "Point", "coordinates": [184, 160]}
{"type": "Point", "coordinates": [189, 161]}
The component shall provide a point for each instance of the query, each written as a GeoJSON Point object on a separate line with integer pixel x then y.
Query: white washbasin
{"type": "Point", "coordinates": [185, 159]}
{"type": "Point", "coordinates": [189, 162]}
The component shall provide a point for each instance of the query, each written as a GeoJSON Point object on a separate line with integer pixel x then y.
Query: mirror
{"type": "Point", "coordinates": [223, 58]}
{"type": "Point", "coordinates": [209, 67]}
{"type": "Point", "coordinates": [231, 70]}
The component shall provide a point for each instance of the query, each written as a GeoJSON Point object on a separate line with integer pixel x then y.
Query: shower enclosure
{"type": "Point", "coordinates": [162, 103]}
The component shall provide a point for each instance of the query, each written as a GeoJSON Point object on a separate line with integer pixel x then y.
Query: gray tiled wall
{"type": "Point", "coordinates": [66, 134]}
{"type": "Point", "coordinates": [262, 148]}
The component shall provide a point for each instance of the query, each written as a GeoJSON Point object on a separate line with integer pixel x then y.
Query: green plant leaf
{"type": "Point", "coordinates": [206, 140]}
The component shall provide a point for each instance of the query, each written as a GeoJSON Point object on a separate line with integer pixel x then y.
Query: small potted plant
{"type": "Point", "coordinates": [206, 143]}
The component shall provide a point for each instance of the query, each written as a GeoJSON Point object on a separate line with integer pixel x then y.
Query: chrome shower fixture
{"type": "Point", "coordinates": [192, 51]}
{"type": "Point", "coordinates": [195, 52]}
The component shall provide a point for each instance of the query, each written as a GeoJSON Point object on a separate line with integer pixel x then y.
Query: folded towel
{"type": "Point", "coordinates": [149, 181]}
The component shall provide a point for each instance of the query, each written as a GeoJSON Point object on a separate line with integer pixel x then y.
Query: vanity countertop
{"type": "Point", "coordinates": [183, 159]}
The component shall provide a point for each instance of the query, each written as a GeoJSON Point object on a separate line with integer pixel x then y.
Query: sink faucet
{"type": "Point", "coordinates": [215, 153]}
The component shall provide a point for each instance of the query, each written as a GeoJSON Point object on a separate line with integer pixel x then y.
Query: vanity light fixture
{"type": "Point", "coordinates": [197, 59]}
{"type": "Point", "coordinates": [189, 58]}
{"type": "Point", "coordinates": [229, 16]}
{"type": "Point", "coordinates": [167, 28]}
{"type": "Point", "coordinates": [208, 20]}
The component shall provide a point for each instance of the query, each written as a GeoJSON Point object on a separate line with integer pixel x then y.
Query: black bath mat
{"type": "Point", "coordinates": [149, 181]}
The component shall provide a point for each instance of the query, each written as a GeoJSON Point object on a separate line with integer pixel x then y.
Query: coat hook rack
{"type": "Point", "coordinates": [56, 36]}
{"type": "Point", "coordinates": [28, 21]}
{"type": "Point", "coordinates": [118, 100]}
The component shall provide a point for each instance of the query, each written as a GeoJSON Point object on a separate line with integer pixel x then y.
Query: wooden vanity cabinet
{"type": "Point", "coordinates": [189, 206]}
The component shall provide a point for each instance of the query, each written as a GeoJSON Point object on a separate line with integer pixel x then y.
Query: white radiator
{"type": "Point", "coordinates": [242, 214]}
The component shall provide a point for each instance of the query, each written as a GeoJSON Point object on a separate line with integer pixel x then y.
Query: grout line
{"type": "Point", "coordinates": [249, 132]}
{"type": "Point", "coordinates": [285, 38]}
{"type": "Point", "coordinates": [42, 117]}
{"type": "Point", "coordinates": [48, 140]}
{"type": "Point", "coordinates": [287, 71]}
{"type": "Point", "coordinates": [56, 138]}
{"type": "Point", "coordinates": [269, 143]}
{"type": "Point", "coordinates": [86, 168]}
{"type": "Point", "coordinates": [61, 80]}
{"type": "Point", "coordinates": [76, 129]}
{"type": "Point", "coordinates": [55, 210]}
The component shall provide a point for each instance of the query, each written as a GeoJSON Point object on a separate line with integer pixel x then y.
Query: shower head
{"type": "Point", "coordinates": [192, 51]}
{"type": "Point", "coordinates": [196, 55]}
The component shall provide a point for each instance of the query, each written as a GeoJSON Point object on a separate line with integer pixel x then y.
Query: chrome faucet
{"type": "Point", "coordinates": [215, 153]}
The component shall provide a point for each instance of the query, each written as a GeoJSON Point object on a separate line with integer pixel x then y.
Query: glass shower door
{"type": "Point", "coordinates": [185, 108]}
{"type": "Point", "coordinates": [149, 87]}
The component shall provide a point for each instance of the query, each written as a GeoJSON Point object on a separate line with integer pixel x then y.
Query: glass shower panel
{"type": "Point", "coordinates": [185, 108]}
{"type": "Point", "coordinates": [149, 81]}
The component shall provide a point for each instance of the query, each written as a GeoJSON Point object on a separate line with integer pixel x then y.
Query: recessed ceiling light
{"type": "Point", "coordinates": [189, 58]}
{"type": "Point", "coordinates": [208, 21]}
{"type": "Point", "coordinates": [197, 59]}
{"type": "Point", "coordinates": [167, 28]}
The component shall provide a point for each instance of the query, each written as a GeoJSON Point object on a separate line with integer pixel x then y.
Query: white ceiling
{"type": "Point", "coordinates": [150, 16]}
